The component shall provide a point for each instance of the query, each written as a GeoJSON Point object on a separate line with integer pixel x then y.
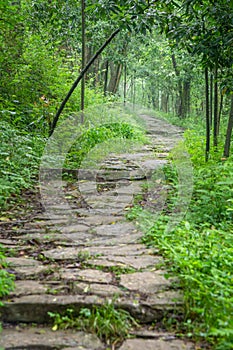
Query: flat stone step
{"type": "Point", "coordinates": [42, 338]}
{"type": "Point", "coordinates": [157, 344]}
{"type": "Point", "coordinates": [35, 308]}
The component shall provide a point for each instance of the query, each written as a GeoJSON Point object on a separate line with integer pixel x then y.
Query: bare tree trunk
{"type": "Point", "coordinates": [125, 81]}
{"type": "Point", "coordinates": [207, 150]}
{"type": "Point", "coordinates": [116, 70]}
{"type": "Point", "coordinates": [216, 107]}
{"type": "Point", "coordinates": [106, 78]}
{"type": "Point", "coordinates": [211, 98]}
{"type": "Point", "coordinates": [179, 103]}
{"type": "Point", "coordinates": [220, 112]}
{"type": "Point", "coordinates": [229, 132]}
{"type": "Point", "coordinates": [118, 78]}
{"type": "Point", "coordinates": [186, 98]}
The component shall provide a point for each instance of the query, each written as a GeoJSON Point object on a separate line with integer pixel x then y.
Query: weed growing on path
{"type": "Point", "coordinates": [110, 324]}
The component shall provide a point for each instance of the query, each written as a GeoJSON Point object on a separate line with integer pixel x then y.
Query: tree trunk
{"type": "Point", "coordinates": [113, 84]}
{"type": "Point", "coordinates": [229, 132]}
{"type": "Point", "coordinates": [125, 81]}
{"type": "Point", "coordinates": [211, 98]}
{"type": "Point", "coordinates": [207, 150]}
{"type": "Point", "coordinates": [164, 101]}
{"type": "Point", "coordinates": [220, 112]}
{"type": "Point", "coordinates": [186, 97]}
{"type": "Point", "coordinates": [216, 107]}
{"type": "Point", "coordinates": [106, 78]}
{"type": "Point", "coordinates": [179, 102]}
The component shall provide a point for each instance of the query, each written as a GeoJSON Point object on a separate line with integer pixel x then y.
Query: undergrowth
{"type": "Point", "coordinates": [19, 158]}
{"type": "Point", "coordinates": [100, 135]}
{"type": "Point", "coordinates": [20, 152]}
{"type": "Point", "coordinates": [200, 249]}
{"type": "Point", "coordinates": [6, 279]}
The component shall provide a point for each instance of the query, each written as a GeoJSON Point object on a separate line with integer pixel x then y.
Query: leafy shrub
{"type": "Point", "coordinates": [199, 250]}
{"type": "Point", "coordinates": [19, 159]}
{"type": "Point", "coordinates": [96, 135]}
{"type": "Point", "coordinates": [202, 259]}
{"type": "Point", "coordinates": [6, 279]}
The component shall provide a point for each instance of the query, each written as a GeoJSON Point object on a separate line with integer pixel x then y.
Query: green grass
{"type": "Point", "coordinates": [200, 249]}
{"type": "Point", "coordinates": [106, 129]}
{"type": "Point", "coordinates": [110, 324]}
{"type": "Point", "coordinates": [108, 135]}
{"type": "Point", "coordinates": [19, 160]}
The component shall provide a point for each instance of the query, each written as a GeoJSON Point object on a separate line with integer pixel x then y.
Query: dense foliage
{"type": "Point", "coordinates": [6, 279]}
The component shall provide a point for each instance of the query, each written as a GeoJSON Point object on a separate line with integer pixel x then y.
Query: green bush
{"type": "Point", "coordinates": [19, 159]}
{"type": "Point", "coordinates": [6, 279]}
{"type": "Point", "coordinates": [200, 249]}
{"type": "Point", "coordinates": [96, 135]}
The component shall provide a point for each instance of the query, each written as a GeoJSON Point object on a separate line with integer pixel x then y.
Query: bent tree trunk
{"type": "Point", "coordinates": [229, 132]}
{"type": "Point", "coordinates": [81, 75]}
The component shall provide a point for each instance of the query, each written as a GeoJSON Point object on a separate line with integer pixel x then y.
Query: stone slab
{"type": "Point", "coordinates": [118, 229]}
{"type": "Point", "coordinates": [87, 275]}
{"type": "Point", "coordinates": [131, 238]}
{"type": "Point", "coordinates": [96, 220]}
{"type": "Point", "coordinates": [120, 250]}
{"type": "Point", "coordinates": [26, 267]}
{"type": "Point", "coordinates": [173, 297]}
{"type": "Point", "coordinates": [137, 262]}
{"type": "Point", "coordinates": [74, 239]}
{"type": "Point", "coordinates": [65, 253]}
{"type": "Point", "coordinates": [156, 344]}
{"type": "Point", "coordinates": [35, 308]}
{"type": "Point", "coordinates": [7, 242]}
{"type": "Point", "coordinates": [75, 228]}
{"type": "Point", "coordinates": [28, 288]}
{"type": "Point", "coordinates": [38, 338]}
{"type": "Point", "coordinates": [106, 290]}
{"type": "Point", "coordinates": [145, 282]}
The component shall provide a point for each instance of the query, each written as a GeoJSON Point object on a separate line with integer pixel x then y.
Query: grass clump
{"type": "Point", "coordinates": [106, 129]}
{"type": "Point", "coordinates": [99, 135]}
{"type": "Point", "coordinates": [111, 325]}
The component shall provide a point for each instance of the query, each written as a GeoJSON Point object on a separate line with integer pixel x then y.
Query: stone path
{"type": "Point", "coordinates": [62, 262]}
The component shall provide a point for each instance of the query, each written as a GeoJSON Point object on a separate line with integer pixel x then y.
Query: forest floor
{"type": "Point", "coordinates": [81, 252]}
